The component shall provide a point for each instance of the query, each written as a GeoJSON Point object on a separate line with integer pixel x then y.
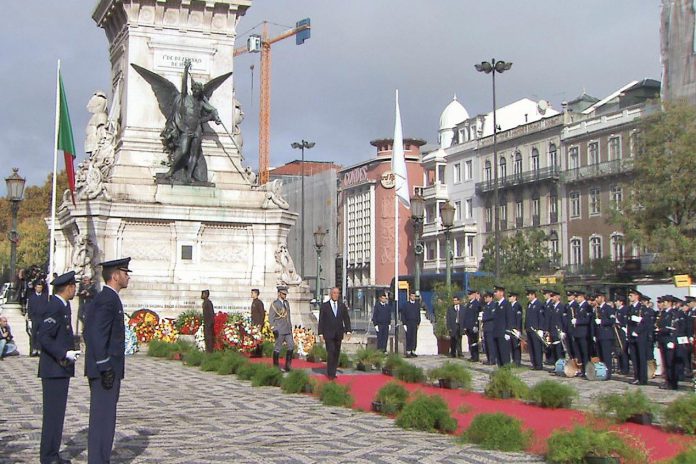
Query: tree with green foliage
{"type": "Point", "coordinates": [660, 211]}
{"type": "Point", "coordinates": [523, 253]}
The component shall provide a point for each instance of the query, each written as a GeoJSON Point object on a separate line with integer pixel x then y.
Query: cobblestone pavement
{"type": "Point", "coordinates": [170, 413]}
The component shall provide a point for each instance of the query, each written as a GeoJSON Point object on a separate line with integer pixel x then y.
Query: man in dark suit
{"type": "Point", "coordinates": [453, 327]}
{"type": "Point", "coordinates": [258, 316]}
{"type": "Point", "coordinates": [533, 324]}
{"type": "Point", "coordinates": [334, 322]}
{"type": "Point", "coordinates": [487, 318]}
{"type": "Point", "coordinates": [105, 365]}
{"type": "Point", "coordinates": [381, 318]}
{"type": "Point", "coordinates": [56, 365]}
{"type": "Point", "coordinates": [515, 320]}
{"type": "Point", "coordinates": [411, 318]}
{"type": "Point", "coordinates": [37, 302]}
{"type": "Point", "coordinates": [469, 323]}
{"type": "Point", "coordinates": [208, 321]}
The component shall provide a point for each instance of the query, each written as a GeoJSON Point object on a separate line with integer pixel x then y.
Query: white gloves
{"type": "Point", "coordinates": [598, 321]}
{"type": "Point", "coordinates": [405, 328]}
{"type": "Point", "coordinates": [573, 321]}
{"type": "Point", "coordinates": [389, 327]}
{"type": "Point", "coordinates": [377, 328]}
{"type": "Point", "coordinates": [634, 334]}
{"type": "Point", "coordinates": [670, 346]}
{"type": "Point", "coordinates": [594, 339]}
{"type": "Point", "coordinates": [72, 355]}
{"type": "Point", "coordinates": [29, 324]}
{"type": "Point", "coordinates": [475, 329]}
{"type": "Point", "coordinates": [507, 337]}
{"type": "Point", "coordinates": [540, 333]}
{"type": "Point", "coordinates": [480, 316]}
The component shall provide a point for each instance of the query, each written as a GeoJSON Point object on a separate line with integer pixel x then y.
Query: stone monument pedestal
{"type": "Point", "coordinates": [426, 342]}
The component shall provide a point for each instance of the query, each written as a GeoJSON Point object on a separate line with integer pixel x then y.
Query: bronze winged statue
{"type": "Point", "coordinates": [186, 113]}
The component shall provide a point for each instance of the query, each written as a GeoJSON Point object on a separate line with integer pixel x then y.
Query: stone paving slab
{"type": "Point", "coordinates": [170, 413]}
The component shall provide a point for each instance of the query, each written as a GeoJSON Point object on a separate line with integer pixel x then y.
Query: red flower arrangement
{"type": "Point", "coordinates": [144, 323]}
{"type": "Point", "coordinates": [241, 334]}
{"type": "Point", "coordinates": [218, 326]}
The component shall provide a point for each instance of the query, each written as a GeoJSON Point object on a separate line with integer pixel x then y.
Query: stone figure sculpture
{"type": "Point", "coordinates": [83, 252]}
{"type": "Point", "coordinates": [288, 273]}
{"type": "Point", "coordinates": [186, 113]}
{"type": "Point", "coordinates": [95, 126]}
{"type": "Point", "coordinates": [274, 195]}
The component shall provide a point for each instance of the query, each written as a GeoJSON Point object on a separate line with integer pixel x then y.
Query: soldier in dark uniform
{"type": "Point", "coordinates": [56, 365]}
{"type": "Point", "coordinates": [85, 293]}
{"type": "Point", "coordinates": [501, 326]}
{"type": "Point", "coordinates": [556, 325]}
{"type": "Point", "coordinates": [105, 341]}
{"type": "Point", "coordinates": [258, 316]}
{"type": "Point", "coordinates": [515, 319]}
{"type": "Point", "coordinates": [455, 332]}
{"type": "Point", "coordinates": [208, 321]}
{"type": "Point", "coordinates": [37, 302]}
{"type": "Point", "coordinates": [533, 325]}
{"type": "Point", "coordinates": [691, 313]}
{"type": "Point", "coordinates": [604, 331]}
{"type": "Point", "coordinates": [666, 328]}
{"type": "Point", "coordinates": [638, 328]}
{"type": "Point", "coordinates": [381, 319]}
{"type": "Point", "coordinates": [487, 317]}
{"type": "Point", "coordinates": [571, 311]}
{"type": "Point", "coordinates": [469, 323]}
{"type": "Point", "coordinates": [281, 324]}
{"type": "Point", "coordinates": [621, 332]}
{"type": "Point", "coordinates": [547, 318]}
{"type": "Point", "coordinates": [411, 318]}
{"type": "Point", "coordinates": [580, 326]}
{"type": "Point", "coordinates": [685, 334]}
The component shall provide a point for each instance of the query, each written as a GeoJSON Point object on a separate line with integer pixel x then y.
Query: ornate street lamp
{"type": "Point", "coordinates": [15, 193]}
{"type": "Point", "coordinates": [492, 68]}
{"type": "Point", "coordinates": [319, 236]}
{"type": "Point", "coordinates": [417, 214]}
{"type": "Point", "coordinates": [302, 145]}
{"type": "Point", "coordinates": [447, 218]}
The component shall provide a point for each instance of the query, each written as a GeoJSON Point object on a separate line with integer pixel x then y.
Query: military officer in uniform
{"type": "Point", "coordinates": [469, 323]}
{"type": "Point", "coordinates": [56, 365]}
{"type": "Point", "coordinates": [487, 318]}
{"type": "Point", "coordinates": [533, 324]}
{"type": "Point", "coordinates": [381, 319]}
{"type": "Point", "coordinates": [104, 354]}
{"type": "Point", "coordinates": [36, 307]}
{"type": "Point", "coordinates": [604, 320]}
{"type": "Point", "coordinates": [279, 318]}
{"type": "Point", "coordinates": [580, 327]}
{"type": "Point", "coordinates": [515, 319]}
{"type": "Point", "coordinates": [411, 318]}
{"type": "Point", "coordinates": [638, 328]}
{"type": "Point", "coordinates": [621, 332]}
{"type": "Point", "coordinates": [258, 316]}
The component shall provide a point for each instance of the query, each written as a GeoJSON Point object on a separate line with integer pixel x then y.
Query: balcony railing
{"type": "Point", "coordinates": [607, 168]}
{"type": "Point", "coordinates": [437, 191]}
{"type": "Point", "coordinates": [527, 177]}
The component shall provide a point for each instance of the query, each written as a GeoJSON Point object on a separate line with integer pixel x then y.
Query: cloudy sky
{"type": "Point", "coordinates": [338, 88]}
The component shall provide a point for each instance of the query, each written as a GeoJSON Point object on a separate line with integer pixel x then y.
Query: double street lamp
{"type": "Point", "coordinates": [492, 68]}
{"type": "Point", "coordinates": [417, 214]}
{"type": "Point", "coordinates": [319, 236]}
{"type": "Point", "coordinates": [15, 194]}
{"type": "Point", "coordinates": [447, 218]}
{"type": "Point", "coordinates": [302, 145]}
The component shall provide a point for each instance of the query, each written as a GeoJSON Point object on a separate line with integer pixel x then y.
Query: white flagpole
{"type": "Point", "coordinates": [52, 240]}
{"type": "Point", "coordinates": [396, 240]}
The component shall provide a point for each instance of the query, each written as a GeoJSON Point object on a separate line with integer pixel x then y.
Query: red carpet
{"type": "Point", "coordinates": [659, 444]}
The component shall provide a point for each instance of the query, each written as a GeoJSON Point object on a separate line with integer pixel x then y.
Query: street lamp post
{"type": "Point", "coordinates": [492, 68]}
{"type": "Point", "coordinates": [447, 218]}
{"type": "Point", "coordinates": [15, 193]}
{"type": "Point", "coordinates": [302, 145]}
{"type": "Point", "coordinates": [319, 236]}
{"type": "Point", "coordinates": [417, 210]}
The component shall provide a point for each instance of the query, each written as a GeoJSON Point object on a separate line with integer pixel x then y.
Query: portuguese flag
{"type": "Point", "coordinates": [65, 136]}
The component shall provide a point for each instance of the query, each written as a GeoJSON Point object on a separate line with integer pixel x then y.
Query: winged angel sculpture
{"type": "Point", "coordinates": [186, 114]}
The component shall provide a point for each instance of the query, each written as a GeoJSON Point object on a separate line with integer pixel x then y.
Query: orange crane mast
{"type": "Point", "coordinates": [262, 44]}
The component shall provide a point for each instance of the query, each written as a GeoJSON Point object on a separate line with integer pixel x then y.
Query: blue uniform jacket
{"type": "Point", "coordinates": [56, 338]}
{"type": "Point", "coordinates": [104, 335]}
{"type": "Point", "coordinates": [469, 319]}
{"type": "Point", "coordinates": [488, 317]}
{"type": "Point", "coordinates": [583, 316]}
{"type": "Point", "coordinates": [502, 318]}
{"type": "Point", "coordinates": [410, 313]}
{"type": "Point", "coordinates": [381, 314]}
{"type": "Point", "coordinates": [36, 306]}
{"type": "Point", "coordinates": [516, 316]}
{"type": "Point", "coordinates": [605, 329]}
{"type": "Point", "coordinates": [534, 317]}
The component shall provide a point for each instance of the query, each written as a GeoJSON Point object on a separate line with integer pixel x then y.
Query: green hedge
{"type": "Point", "coordinates": [393, 397]}
{"type": "Point", "coordinates": [504, 383]}
{"type": "Point", "coordinates": [497, 431]}
{"type": "Point", "coordinates": [266, 376]}
{"type": "Point", "coordinates": [410, 373]}
{"type": "Point", "coordinates": [552, 394]}
{"type": "Point", "coordinates": [680, 414]}
{"type": "Point", "coordinates": [334, 394]}
{"type": "Point", "coordinates": [427, 413]}
{"type": "Point", "coordinates": [295, 382]}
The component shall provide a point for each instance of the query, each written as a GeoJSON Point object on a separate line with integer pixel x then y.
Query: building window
{"type": "Point", "coordinates": [468, 170]}
{"type": "Point", "coordinates": [553, 209]}
{"type": "Point", "coordinates": [186, 252]}
{"type": "Point", "coordinates": [457, 173]}
{"type": "Point", "coordinates": [468, 208]}
{"type": "Point", "coordinates": [457, 210]}
{"type": "Point", "coordinates": [595, 247]}
{"type": "Point", "coordinates": [617, 196]}
{"type": "Point", "coordinates": [430, 213]}
{"type": "Point", "coordinates": [442, 245]}
{"type": "Point", "coordinates": [553, 155]}
{"type": "Point", "coordinates": [487, 171]}
{"type": "Point", "coordinates": [489, 215]}
{"type": "Point", "coordinates": [593, 153]}
{"type": "Point", "coordinates": [441, 173]}
{"type": "Point", "coordinates": [519, 214]}
{"type": "Point", "coordinates": [536, 209]}
{"type": "Point", "coordinates": [617, 247]}
{"type": "Point", "coordinates": [518, 164]}
{"type": "Point", "coordinates": [553, 244]}
{"type": "Point", "coordinates": [459, 248]}
{"type": "Point", "coordinates": [573, 159]}
{"type": "Point", "coordinates": [470, 245]}
{"type": "Point", "coordinates": [503, 216]}
{"type": "Point", "coordinates": [615, 148]}
{"type": "Point", "coordinates": [594, 201]}
{"type": "Point", "coordinates": [535, 159]}
{"type": "Point", "coordinates": [574, 204]}
{"type": "Point", "coordinates": [430, 250]}
{"type": "Point", "coordinates": [502, 173]}
{"type": "Point", "coordinates": [575, 251]}
{"type": "Point", "coordinates": [632, 143]}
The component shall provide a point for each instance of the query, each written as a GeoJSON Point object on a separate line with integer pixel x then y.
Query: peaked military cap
{"type": "Point", "coordinates": [472, 291]}
{"type": "Point", "coordinates": [570, 293]}
{"type": "Point", "coordinates": [531, 291]}
{"type": "Point", "coordinates": [121, 264]}
{"type": "Point", "coordinates": [546, 290]}
{"type": "Point", "coordinates": [620, 297]}
{"type": "Point", "coordinates": [579, 292]}
{"type": "Point", "coordinates": [64, 279]}
{"type": "Point", "coordinates": [689, 299]}
{"type": "Point", "coordinates": [488, 293]}
{"type": "Point", "coordinates": [513, 293]}
{"type": "Point", "coordinates": [498, 287]}
{"type": "Point", "coordinates": [283, 289]}
{"type": "Point", "coordinates": [635, 292]}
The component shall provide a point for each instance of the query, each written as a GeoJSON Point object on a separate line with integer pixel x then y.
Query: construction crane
{"type": "Point", "coordinates": [262, 44]}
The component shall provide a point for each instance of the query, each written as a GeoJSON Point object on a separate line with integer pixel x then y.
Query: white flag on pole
{"type": "Point", "coordinates": [399, 162]}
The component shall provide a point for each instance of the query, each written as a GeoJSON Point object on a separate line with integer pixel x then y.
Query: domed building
{"type": "Point", "coordinates": [452, 115]}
